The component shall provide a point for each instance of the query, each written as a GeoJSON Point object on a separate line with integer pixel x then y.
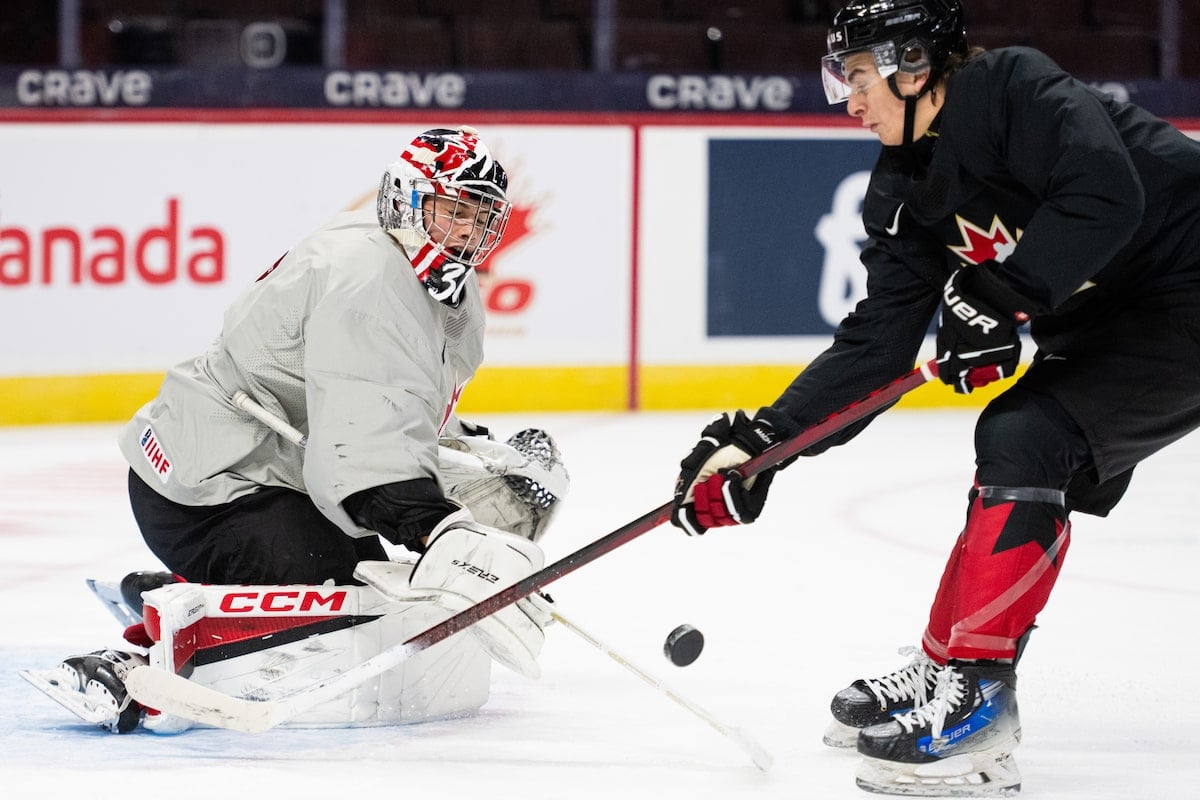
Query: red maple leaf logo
{"type": "Point", "coordinates": [520, 226]}
{"type": "Point", "coordinates": [994, 244]}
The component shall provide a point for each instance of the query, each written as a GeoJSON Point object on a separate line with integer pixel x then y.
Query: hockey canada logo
{"type": "Point", "coordinates": [509, 295]}
{"type": "Point", "coordinates": [994, 244]}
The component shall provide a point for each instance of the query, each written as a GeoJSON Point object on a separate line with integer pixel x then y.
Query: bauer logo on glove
{"type": "Point", "coordinates": [977, 340]}
{"type": "Point", "coordinates": [709, 492]}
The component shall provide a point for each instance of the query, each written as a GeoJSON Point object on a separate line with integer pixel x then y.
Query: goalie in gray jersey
{"type": "Point", "coordinates": [361, 338]}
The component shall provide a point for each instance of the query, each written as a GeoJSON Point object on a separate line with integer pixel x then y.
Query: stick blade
{"type": "Point", "coordinates": [49, 682]}
{"type": "Point", "coordinates": [174, 694]}
{"type": "Point", "coordinates": [110, 595]}
{"type": "Point", "coordinates": [758, 754]}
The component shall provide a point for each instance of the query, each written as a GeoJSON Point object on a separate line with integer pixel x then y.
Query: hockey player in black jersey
{"type": "Point", "coordinates": [1006, 193]}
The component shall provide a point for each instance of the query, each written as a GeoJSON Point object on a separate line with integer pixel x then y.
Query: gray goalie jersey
{"type": "Point", "coordinates": [341, 340]}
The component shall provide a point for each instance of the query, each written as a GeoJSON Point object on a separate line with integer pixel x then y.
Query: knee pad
{"type": "Point", "coordinates": [1025, 438]}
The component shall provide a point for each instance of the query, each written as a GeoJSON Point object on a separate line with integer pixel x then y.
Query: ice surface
{"type": "Point", "coordinates": [835, 576]}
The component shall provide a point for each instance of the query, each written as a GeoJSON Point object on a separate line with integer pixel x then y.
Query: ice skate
{"type": "Point", "coordinates": [124, 599]}
{"type": "Point", "coordinates": [92, 687]}
{"type": "Point", "coordinates": [872, 701]}
{"type": "Point", "coordinates": [959, 744]}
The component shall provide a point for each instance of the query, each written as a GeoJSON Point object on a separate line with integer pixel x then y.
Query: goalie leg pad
{"type": "Point", "coordinates": [268, 642]}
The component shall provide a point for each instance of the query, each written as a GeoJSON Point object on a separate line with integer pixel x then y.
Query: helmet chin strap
{"type": "Point", "coordinates": [910, 105]}
{"type": "Point", "coordinates": [910, 119]}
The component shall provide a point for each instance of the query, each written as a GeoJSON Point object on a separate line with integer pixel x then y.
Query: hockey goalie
{"type": "Point", "coordinates": [266, 642]}
{"type": "Point", "coordinates": [320, 423]}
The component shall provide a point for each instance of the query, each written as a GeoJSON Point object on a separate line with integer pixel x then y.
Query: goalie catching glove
{"type": "Point", "coordinates": [466, 562]}
{"type": "Point", "coordinates": [709, 493]}
{"type": "Point", "coordinates": [977, 340]}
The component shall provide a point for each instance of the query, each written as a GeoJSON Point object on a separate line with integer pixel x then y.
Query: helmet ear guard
{"type": "Point", "coordinates": [909, 36]}
{"type": "Point", "coordinates": [445, 203]}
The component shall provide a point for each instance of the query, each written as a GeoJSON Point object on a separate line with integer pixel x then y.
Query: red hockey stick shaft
{"type": "Point", "coordinates": [651, 520]}
{"type": "Point", "coordinates": [175, 694]}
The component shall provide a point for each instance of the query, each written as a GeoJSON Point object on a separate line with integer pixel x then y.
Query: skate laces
{"type": "Point", "coordinates": [948, 696]}
{"type": "Point", "coordinates": [911, 681]}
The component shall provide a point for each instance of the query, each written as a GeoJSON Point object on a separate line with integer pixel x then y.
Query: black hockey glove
{"type": "Point", "coordinates": [404, 513]}
{"type": "Point", "coordinates": [708, 492]}
{"type": "Point", "coordinates": [977, 340]}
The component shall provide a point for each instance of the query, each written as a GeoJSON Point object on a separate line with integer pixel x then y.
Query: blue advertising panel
{"type": "Point", "coordinates": [784, 234]}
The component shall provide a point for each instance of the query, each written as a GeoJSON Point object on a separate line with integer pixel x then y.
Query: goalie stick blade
{"type": "Point", "coordinates": [110, 595]}
{"type": "Point", "coordinates": [173, 694]}
{"type": "Point", "coordinates": [49, 683]}
{"type": "Point", "coordinates": [758, 754]}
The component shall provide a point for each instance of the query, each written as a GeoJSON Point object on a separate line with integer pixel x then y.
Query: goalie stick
{"type": "Point", "coordinates": [247, 404]}
{"type": "Point", "coordinates": [175, 694]}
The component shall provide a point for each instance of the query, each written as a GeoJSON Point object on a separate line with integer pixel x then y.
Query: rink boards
{"type": "Point", "coordinates": [652, 261]}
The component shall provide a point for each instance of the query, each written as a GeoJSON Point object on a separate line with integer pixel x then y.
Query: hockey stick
{"type": "Point", "coordinates": [761, 758]}
{"type": "Point", "coordinates": [247, 404]}
{"type": "Point", "coordinates": [177, 695]}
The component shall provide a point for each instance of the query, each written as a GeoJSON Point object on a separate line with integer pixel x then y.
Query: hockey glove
{"type": "Point", "coordinates": [977, 340]}
{"type": "Point", "coordinates": [708, 492]}
{"type": "Point", "coordinates": [467, 562]}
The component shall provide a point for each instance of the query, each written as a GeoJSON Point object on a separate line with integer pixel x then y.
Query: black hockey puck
{"type": "Point", "coordinates": [683, 645]}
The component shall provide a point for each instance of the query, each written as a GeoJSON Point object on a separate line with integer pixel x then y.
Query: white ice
{"type": "Point", "coordinates": [824, 588]}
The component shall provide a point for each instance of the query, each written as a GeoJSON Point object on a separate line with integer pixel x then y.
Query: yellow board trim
{"type": "Point", "coordinates": [507, 389]}
{"type": "Point", "coordinates": [749, 387]}
{"type": "Point", "coordinates": [75, 398]}
{"type": "Point", "coordinates": [114, 398]}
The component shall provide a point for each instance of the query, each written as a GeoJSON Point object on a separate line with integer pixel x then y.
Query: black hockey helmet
{"type": "Point", "coordinates": [903, 35]}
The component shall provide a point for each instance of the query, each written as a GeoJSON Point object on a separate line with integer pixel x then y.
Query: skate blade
{"type": "Point", "coordinates": [839, 735]}
{"type": "Point", "coordinates": [50, 683]}
{"type": "Point", "coordinates": [966, 775]}
{"type": "Point", "coordinates": [110, 595]}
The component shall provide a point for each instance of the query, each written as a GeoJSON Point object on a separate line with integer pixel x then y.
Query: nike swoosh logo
{"type": "Point", "coordinates": [894, 228]}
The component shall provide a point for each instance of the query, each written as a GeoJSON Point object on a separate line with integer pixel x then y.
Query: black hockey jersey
{"type": "Point", "coordinates": [1084, 200]}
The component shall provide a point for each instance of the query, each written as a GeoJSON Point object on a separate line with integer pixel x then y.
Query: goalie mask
{"type": "Point", "coordinates": [909, 36]}
{"type": "Point", "coordinates": [445, 203]}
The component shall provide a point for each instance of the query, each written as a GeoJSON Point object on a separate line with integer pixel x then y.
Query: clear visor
{"type": "Point", "coordinates": [464, 223]}
{"type": "Point", "coordinates": [850, 72]}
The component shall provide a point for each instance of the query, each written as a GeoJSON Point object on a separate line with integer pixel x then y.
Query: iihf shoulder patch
{"type": "Point", "coordinates": [155, 455]}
